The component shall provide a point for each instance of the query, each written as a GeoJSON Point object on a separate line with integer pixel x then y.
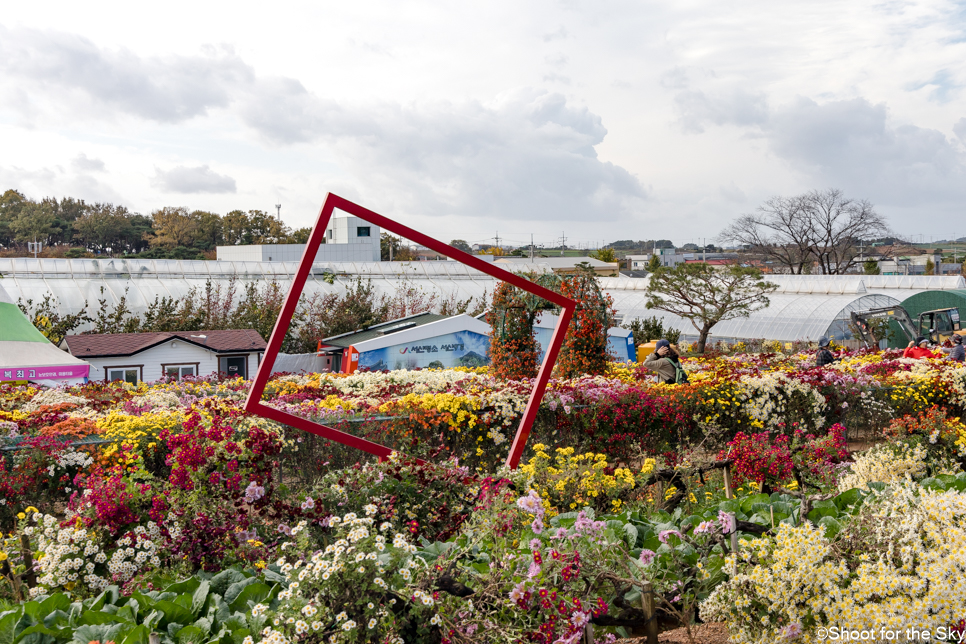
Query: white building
{"type": "Point", "coordinates": [347, 239]}
{"type": "Point", "coordinates": [136, 357]}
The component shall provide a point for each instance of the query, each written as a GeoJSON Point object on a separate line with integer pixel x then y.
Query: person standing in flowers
{"type": "Point", "coordinates": [824, 355]}
{"type": "Point", "coordinates": [666, 363]}
{"type": "Point", "coordinates": [918, 349]}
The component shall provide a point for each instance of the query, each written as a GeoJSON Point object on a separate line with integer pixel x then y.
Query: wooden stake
{"type": "Point", "coordinates": [588, 634]}
{"type": "Point", "coordinates": [771, 511]}
{"type": "Point", "coordinates": [28, 561]}
{"type": "Point", "coordinates": [650, 613]}
{"type": "Point", "coordinates": [729, 493]}
{"type": "Point", "coordinates": [8, 572]}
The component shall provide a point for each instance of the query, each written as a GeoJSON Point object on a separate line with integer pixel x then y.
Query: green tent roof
{"type": "Point", "coordinates": [15, 327]}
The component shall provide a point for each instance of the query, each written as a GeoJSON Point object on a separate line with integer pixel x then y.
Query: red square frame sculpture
{"type": "Point", "coordinates": [332, 202]}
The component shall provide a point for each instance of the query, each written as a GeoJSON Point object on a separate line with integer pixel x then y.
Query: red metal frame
{"type": "Point", "coordinates": [253, 403]}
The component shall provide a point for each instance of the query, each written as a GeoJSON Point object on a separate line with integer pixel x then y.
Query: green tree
{"type": "Point", "coordinates": [930, 267]}
{"type": "Point", "coordinates": [11, 203]}
{"type": "Point", "coordinates": [142, 228]}
{"type": "Point", "coordinates": [104, 227]}
{"type": "Point", "coordinates": [36, 221]}
{"type": "Point", "coordinates": [389, 246]}
{"type": "Point", "coordinates": [650, 328]}
{"type": "Point", "coordinates": [301, 236]}
{"type": "Point", "coordinates": [706, 296]}
{"type": "Point", "coordinates": [266, 229]}
{"type": "Point", "coordinates": [210, 229]}
{"type": "Point", "coordinates": [871, 267]}
{"type": "Point", "coordinates": [460, 244]}
{"type": "Point", "coordinates": [654, 263]}
{"type": "Point", "coordinates": [605, 255]}
{"type": "Point", "coordinates": [237, 228]}
{"type": "Point", "coordinates": [173, 227]}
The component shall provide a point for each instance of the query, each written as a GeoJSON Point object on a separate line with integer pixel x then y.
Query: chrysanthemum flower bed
{"type": "Point", "coordinates": [169, 509]}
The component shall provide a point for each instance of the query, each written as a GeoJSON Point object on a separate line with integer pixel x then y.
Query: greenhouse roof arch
{"type": "Point", "coordinates": [789, 316]}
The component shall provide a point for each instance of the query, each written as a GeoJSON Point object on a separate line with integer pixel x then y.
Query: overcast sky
{"type": "Point", "coordinates": [600, 119]}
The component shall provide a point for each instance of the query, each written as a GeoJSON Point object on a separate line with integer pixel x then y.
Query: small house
{"type": "Point", "coordinates": [137, 357]}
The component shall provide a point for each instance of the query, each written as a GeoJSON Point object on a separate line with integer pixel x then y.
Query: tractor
{"type": "Point", "coordinates": [937, 325]}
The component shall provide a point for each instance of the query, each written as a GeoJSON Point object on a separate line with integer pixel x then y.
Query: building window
{"type": "Point", "coordinates": [362, 231]}
{"type": "Point", "coordinates": [330, 233]}
{"type": "Point", "coordinates": [127, 375]}
{"type": "Point", "coordinates": [177, 372]}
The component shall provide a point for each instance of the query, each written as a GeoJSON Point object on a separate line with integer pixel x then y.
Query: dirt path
{"type": "Point", "coordinates": [716, 633]}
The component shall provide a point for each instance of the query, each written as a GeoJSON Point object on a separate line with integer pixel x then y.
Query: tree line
{"type": "Point", "coordinates": [253, 305]}
{"type": "Point", "coordinates": [74, 228]}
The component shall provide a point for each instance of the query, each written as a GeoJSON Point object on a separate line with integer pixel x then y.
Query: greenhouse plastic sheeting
{"type": "Point", "coordinates": [788, 317]}
{"type": "Point", "coordinates": [74, 283]}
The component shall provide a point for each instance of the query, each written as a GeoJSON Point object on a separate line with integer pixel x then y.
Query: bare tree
{"type": "Point", "coordinates": [822, 226]}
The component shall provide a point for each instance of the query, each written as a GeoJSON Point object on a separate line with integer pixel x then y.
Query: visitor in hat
{"type": "Point", "coordinates": [918, 348]}
{"type": "Point", "coordinates": [666, 362]}
{"type": "Point", "coordinates": [956, 352]}
{"type": "Point", "coordinates": [824, 356]}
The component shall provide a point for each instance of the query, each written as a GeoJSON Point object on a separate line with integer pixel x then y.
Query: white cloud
{"type": "Point", "coordinates": [851, 144]}
{"type": "Point", "coordinates": [960, 129]}
{"type": "Point", "coordinates": [198, 180]}
{"type": "Point", "coordinates": [421, 108]}
{"type": "Point", "coordinates": [80, 74]}
{"type": "Point", "coordinates": [528, 153]}
{"type": "Point", "coordinates": [81, 163]}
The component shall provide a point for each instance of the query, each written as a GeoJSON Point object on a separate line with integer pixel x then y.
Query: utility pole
{"type": "Point", "coordinates": [35, 247]}
{"type": "Point", "coordinates": [531, 247]}
{"type": "Point", "coordinates": [498, 239]}
{"type": "Point", "coordinates": [704, 250]}
{"type": "Point", "coordinates": [563, 242]}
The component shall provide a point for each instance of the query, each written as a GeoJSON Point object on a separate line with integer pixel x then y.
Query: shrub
{"type": "Point", "coordinates": [431, 500]}
{"type": "Point", "coordinates": [358, 589]}
{"type": "Point", "coordinates": [568, 482]}
{"type": "Point", "coordinates": [898, 562]}
{"type": "Point", "coordinates": [885, 463]}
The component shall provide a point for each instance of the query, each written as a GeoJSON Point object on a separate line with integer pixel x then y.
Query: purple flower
{"type": "Point", "coordinates": [531, 503]}
{"type": "Point", "coordinates": [664, 535]}
{"type": "Point", "coordinates": [253, 492]}
{"type": "Point", "coordinates": [647, 556]}
{"type": "Point", "coordinates": [704, 526]}
{"type": "Point", "coordinates": [284, 529]}
{"type": "Point", "coordinates": [535, 544]}
{"type": "Point", "coordinates": [587, 526]}
{"type": "Point", "coordinates": [308, 504]}
{"type": "Point", "coordinates": [580, 619]}
{"type": "Point", "coordinates": [534, 570]}
{"type": "Point", "coordinates": [537, 526]}
{"type": "Point", "coordinates": [792, 631]}
{"type": "Point", "coordinates": [517, 593]}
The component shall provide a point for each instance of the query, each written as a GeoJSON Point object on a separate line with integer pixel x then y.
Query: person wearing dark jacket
{"type": "Point", "coordinates": [666, 362]}
{"type": "Point", "coordinates": [957, 353]}
{"type": "Point", "coordinates": [824, 356]}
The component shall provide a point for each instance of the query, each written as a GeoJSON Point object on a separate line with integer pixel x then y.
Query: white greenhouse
{"type": "Point", "coordinates": [804, 307]}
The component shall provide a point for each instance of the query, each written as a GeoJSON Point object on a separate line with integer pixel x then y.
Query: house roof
{"type": "Point", "coordinates": [444, 326]}
{"type": "Point", "coordinates": [106, 345]}
{"type": "Point", "coordinates": [380, 330]}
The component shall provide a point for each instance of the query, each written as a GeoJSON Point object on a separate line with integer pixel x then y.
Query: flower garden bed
{"type": "Point", "coordinates": [167, 509]}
